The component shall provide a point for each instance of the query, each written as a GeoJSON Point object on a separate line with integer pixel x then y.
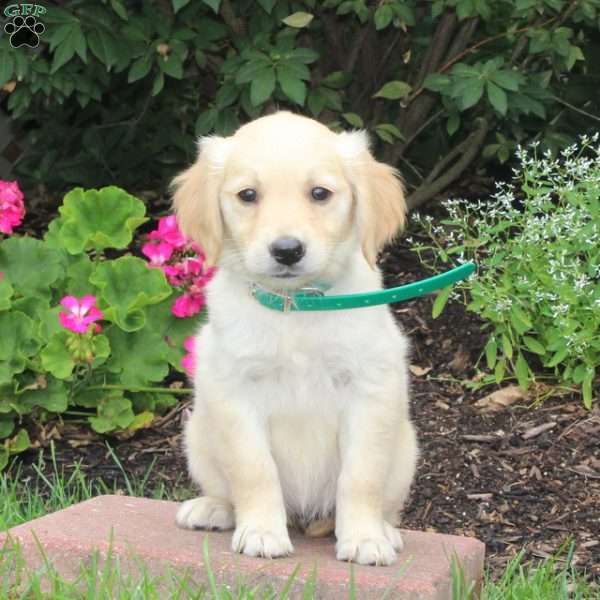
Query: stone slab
{"type": "Point", "coordinates": [139, 528]}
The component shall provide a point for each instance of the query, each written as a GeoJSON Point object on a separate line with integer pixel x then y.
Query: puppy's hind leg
{"type": "Point", "coordinates": [213, 510]}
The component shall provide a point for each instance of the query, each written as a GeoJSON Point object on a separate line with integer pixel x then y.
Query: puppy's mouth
{"type": "Point", "coordinates": [286, 275]}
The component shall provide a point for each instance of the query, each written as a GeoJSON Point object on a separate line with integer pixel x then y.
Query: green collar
{"type": "Point", "coordinates": [314, 298]}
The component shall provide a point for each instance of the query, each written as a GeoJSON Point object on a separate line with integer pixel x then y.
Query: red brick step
{"type": "Point", "coordinates": [146, 529]}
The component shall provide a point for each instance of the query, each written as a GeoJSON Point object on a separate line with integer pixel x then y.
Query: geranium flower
{"type": "Point", "coordinates": [168, 231]}
{"type": "Point", "coordinates": [158, 254]}
{"type": "Point", "coordinates": [188, 362]}
{"type": "Point", "coordinates": [12, 207]}
{"type": "Point", "coordinates": [188, 305]}
{"type": "Point", "coordinates": [81, 313]}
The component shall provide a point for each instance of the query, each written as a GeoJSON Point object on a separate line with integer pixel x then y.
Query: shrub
{"type": "Point", "coordinates": [126, 85]}
{"type": "Point", "coordinates": [538, 247]}
{"type": "Point", "coordinates": [88, 329]}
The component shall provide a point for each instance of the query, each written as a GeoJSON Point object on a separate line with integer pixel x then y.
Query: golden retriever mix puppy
{"type": "Point", "coordinates": [297, 415]}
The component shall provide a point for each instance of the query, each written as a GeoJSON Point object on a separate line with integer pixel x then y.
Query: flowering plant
{"type": "Point", "coordinates": [12, 207]}
{"type": "Point", "coordinates": [538, 245]}
{"type": "Point", "coordinates": [87, 334]}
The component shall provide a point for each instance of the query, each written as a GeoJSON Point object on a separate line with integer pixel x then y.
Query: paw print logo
{"type": "Point", "coordinates": [24, 31]}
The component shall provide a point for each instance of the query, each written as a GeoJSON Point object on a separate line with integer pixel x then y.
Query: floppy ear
{"type": "Point", "coordinates": [379, 193]}
{"type": "Point", "coordinates": [196, 197]}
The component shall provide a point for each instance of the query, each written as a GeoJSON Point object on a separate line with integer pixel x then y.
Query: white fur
{"type": "Point", "coordinates": [302, 414]}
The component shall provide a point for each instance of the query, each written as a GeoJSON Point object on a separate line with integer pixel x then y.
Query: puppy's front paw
{"type": "Point", "coordinates": [394, 536]}
{"type": "Point", "coordinates": [366, 551]}
{"type": "Point", "coordinates": [205, 512]}
{"type": "Point", "coordinates": [258, 541]}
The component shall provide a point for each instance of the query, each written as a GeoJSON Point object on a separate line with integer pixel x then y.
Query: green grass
{"type": "Point", "coordinates": [52, 489]}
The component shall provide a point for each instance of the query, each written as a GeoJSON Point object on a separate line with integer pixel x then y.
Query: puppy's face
{"type": "Point", "coordinates": [285, 201]}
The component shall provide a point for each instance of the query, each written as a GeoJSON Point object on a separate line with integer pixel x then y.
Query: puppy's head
{"type": "Point", "coordinates": [285, 200]}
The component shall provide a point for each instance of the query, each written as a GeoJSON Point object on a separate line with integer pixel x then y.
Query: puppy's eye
{"type": "Point", "coordinates": [247, 195]}
{"type": "Point", "coordinates": [320, 194]}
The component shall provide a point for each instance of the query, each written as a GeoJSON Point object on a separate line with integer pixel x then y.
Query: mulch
{"type": "Point", "coordinates": [522, 477]}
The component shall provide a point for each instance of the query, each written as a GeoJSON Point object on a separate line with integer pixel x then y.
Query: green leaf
{"type": "Point", "coordinates": [19, 443]}
{"type": "Point", "coordinates": [6, 292]}
{"type": "Point", "coordinates": [139, 358]}
{"type": "Point", "coordinates": [30, 266]}
{"type": "Point", "coordinates": [558, 357]}
{"type": "Point", "coordinates": [172, 65]}
{"type": "Point", "coordinates": [491, 352]}
{"type": "Point", "coordinates": [99, 219]}
{"type": "Point", "coordinates": [497, 97]}
{"type": "Point", "coordinates": [586, 388]}
{"type": "Point", "coordinates": [117, 6]}
{"type": "Point", "coordinates": [214, 4]}
{"type": "Point", "coordinates": [127, 285]}
{"type": "Point", "coordinates": [304, 55]}
{"type": "Point", "coordinates": [227, 94]}
{"type": "Point", "coordinates": [354, 120]}
{"type": "Point", "coordinates": [292, 87]}
{"type": "Point", "coordinates": [53, 397]}
{"type": "Point", "coordinates": [440, 302]}
{"type": "Point", "coordinates": [437, 82]}
{"type": "Point", "coordinates": [206, 121]}
{"type": "Point", "coordinates": [267, 5]}
{"type": "Point", "coordinates": [251, 69]}
{"type": "Point", "coordinates": [262, 86]}
{"type": "Point", "coordinates": [519, 314]}
{"type": "Point", "coordinates": [139, 68]}
{"type": "Point", "coordinates": [104, 47]}
{"type": "Point", "coordinates": [17, 340]}
{"type": "Point", "coordinates": [472, 93]}
{"type": "Point", "coordinates": [522, 371]}
{"type": "Point", "coordinates": [507, 346]}
{"type": "Point", "coordinates": [158, 84]}
{"type": "Point", "coordinates": [337, 80]}
{"type": "Point", "coordinates": [500, 370]}
{"type": "Point", "coordinates": [56, 358]}
{"type": "Point", "coordinates": [298, 20]}
{"type": "Point", "coordinates": [533, 345]}
{"type": "Point", "coordinates": [114, 412]}
{"type": "Point", "coordinates": [7, 426]}
{"type": "Point", "coordinates": [394, 90]}
{"type": "Point", "coordinates": [509, 80]}
{"type": "Point", "coordinates": [453, 123]}
{"type": "Point", "coordinates": [383, 16]}
{"type": "Point", "coordinates": [179, 4]}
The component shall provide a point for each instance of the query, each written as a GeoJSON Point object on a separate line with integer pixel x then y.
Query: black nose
{"type": "Point", "coordinates": [287, 250]}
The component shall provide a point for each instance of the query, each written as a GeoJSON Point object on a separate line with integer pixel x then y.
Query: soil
{"type": "Point", "coordinates": [520, 477]}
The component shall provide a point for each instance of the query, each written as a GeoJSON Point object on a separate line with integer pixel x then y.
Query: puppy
{"type": "Point", "coordinates": [300, 415]}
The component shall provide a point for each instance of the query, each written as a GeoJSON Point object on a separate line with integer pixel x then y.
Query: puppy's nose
{"type": "Point", "coordinates": [287, 250]}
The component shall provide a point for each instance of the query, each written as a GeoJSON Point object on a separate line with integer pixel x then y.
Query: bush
{"type": "Point", "coordinates": [126, 85]}
{"type": "Point", "coordinates": [538, 247]}
{"type": "Point", "coordinates": [55, 356]}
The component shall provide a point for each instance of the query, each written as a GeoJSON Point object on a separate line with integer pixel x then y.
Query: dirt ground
{"type": "Point", "coordinates": [517, 478]}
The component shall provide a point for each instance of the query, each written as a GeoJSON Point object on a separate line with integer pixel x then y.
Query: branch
{"type": "Point", "coordinates": [467, 150]}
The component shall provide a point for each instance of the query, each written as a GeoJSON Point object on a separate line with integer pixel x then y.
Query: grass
{"type": "Point", "coordinates": [52, 489]}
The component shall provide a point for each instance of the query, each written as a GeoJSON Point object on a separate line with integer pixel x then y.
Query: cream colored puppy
{"type": "Point", "coordinates": [303, 414]}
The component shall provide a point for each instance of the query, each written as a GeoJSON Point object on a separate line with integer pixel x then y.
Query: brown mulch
{"type": "Point", "coordinates": [519, 477]}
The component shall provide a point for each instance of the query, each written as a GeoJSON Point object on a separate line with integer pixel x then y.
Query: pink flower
{"type": "Point", "coordinates": [188, 362]}
{"type": "Point", "coordinates": [168, 231]}
{"type": "Point", "coordinates": [178, 273]}
{"type": "Point", "coordinates": [158, 254]}
{"type": "Point", "coordinates": [188, 305]}
{"type": "Point", "coordinates": [81, 313]}
{"type": "Point", "coordinates": [12, 207]}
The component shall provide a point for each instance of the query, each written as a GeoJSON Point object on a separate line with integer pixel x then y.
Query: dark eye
{"type": "Point", "coordinates": [248, 195]}
{"type": "Point", "coordinates": [320, 193]}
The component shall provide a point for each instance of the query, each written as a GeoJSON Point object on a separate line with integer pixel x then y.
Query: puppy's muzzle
{"type": "Point", "coordinates": [287, 250]}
